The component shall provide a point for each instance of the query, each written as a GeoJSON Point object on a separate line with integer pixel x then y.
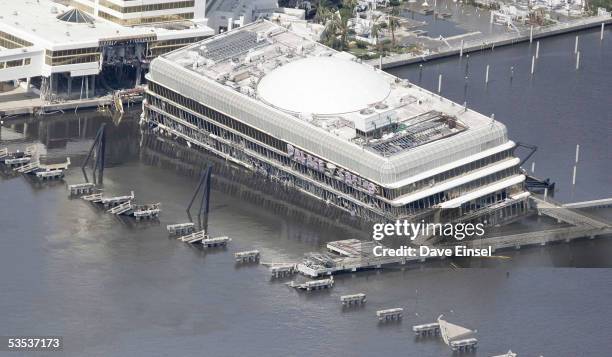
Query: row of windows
{"type": "Point", "coordinates": [149, 7]}
{"type": "Point", "coordinates": [15, 63]}
{"type": "Point", "coordinates": [446, 175]}
{"type": "Point", "coordinates": [211, 114]}
{"type": "Point", "coordinates": [76, 51]}
{"type": "Point", "coordinates": [157, 48]}
{"type": "Point", "coordinates": [415, 208]}
{"type": "Point", "coordinates": [248, 144]}
{"type": "Point", "coordinates": [59, 61]}
{"type": "Point", "coordinates": [456, 192]}
{"type": "Point", "coordinates": [9, 41]}
{"type": "Point", "coordinates": [145, 20]}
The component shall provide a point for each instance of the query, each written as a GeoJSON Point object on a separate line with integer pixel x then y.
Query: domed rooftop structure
{"type": "Point", "coordinates": [75, 16]}
{"type": "Point", "coordinates": [324, 86]}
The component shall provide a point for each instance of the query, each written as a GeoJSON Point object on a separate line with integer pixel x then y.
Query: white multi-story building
{"type": "Point", "coordinates": [138, 12]}
{"type": "Point", "coordinates": [51, 46]}
{"type": "Point", "coordinates": [323, 123]}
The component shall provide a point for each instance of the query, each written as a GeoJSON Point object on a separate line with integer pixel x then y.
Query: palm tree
{"type": "Point", "coordinates": [324, 12]}
{"type": "Point", "coordinates": [375, 33]}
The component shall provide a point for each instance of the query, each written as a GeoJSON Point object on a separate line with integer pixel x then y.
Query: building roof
{"type": "Point", "coordinates": [278, 82]}
{"type": "Point", "coordinates": [323, 85]}
{"type": "Point", "coordinates": [57, 27]}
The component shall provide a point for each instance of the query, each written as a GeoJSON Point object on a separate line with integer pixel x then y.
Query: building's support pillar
{"type": "Point", "coordinates": [86, 86]}
{"type": "Point", "coordinates": [93, 85]}
{"type": "Point", "coordinates": [53, 85]}
{"type": "Point", "coordinates": [138, 74]}
{"type": "Point", "coordinates": [69, 85]}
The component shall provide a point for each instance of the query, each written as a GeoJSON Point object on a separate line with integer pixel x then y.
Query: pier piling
{"type": "Point", "coordinates": [461, 50]}
{"type": "Point", "coordinates": [602, 31]}
{"type": "Point", "coordinates": [487, 75]}
{"type": "Point", "coordinates": [577, 152]}
{"type": "Point", "coordinates": [531, 34]}
{"type": "Point", "coordinates": [439, 83]}
{"type": "Point", "coordinates": [578, 60]}
{"type": "Point", "coordinates": [533, 167]}
{"type": "Point", "coordinates": [537, 50]}
{"type": "Point", "coordinates": [576, 45]}
{"type": "Point", "coordinates": [532, 64]}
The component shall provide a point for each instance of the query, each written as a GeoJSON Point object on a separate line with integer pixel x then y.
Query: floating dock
{"type": "Point", "coordinates": [194, 237]}
{"type": "Point", "coordinates": [250, 256]}
{"type": "Point", "coordinates": [426, 329]}
{"type": "Point", "coordinates": [50, 175]}
{"type": "Point", "coordinates": [390, 314]}
{"type": "Point", "coordinates": [137, 211]}
{"type": "Point", "coordinates": [180, 228]}
{"type": "Point", "coordinates": [315, 284]}
{"type": "Point", "coordinates": [464, 345]}
{"type": "Point", "coordinates": [458, 338]}
{"type": "Point", "coordinates": [215, 242]}
{"type": "Point", "coordinates": [354, 299]}
{"type": "Point", "coordinates": [205, 240]}
{"type": "Point", "coordinates": [347, 255]}
{"type": "Point", "coordinates": [18, 158]}
{"type": "Point", "coordinates": [283, 270]}
{"type": "Point", "coordinates": [117, 200]}
{"type": "Point", "coordinates": [81, 189]}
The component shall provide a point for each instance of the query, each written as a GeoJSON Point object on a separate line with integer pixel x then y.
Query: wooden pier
{"type": "Point", "coordinates": [81, 188]}
{"type": "Point", "coordinates": [18, 161]}
{"type": "Point", "coordinates": [194, 237]}
{"type": "Point", "coordinates": [426, 329]}
{"type": "Point", "coordinates": [117, 200]}
{"type": "Point", "coordinates": [43, 171]}
{"type": "Point", "coordinates": [390, 314]}
{"type": "Point", "coordinates": [204, 239]}
{"type": "Point", "coordinates": [251, 256]}
{"type": "Point", "coordinates": [137, 211]}
{"type": "Point", "coordinates": [216, 242]}
{"type": "Point", "coordinates": [315, 284]}
{"type": "Point", "coordinates": [50, 175]}
{"type": "Point", "coordinates": [354, 299]}
{"type": "Point", "coordinates": [464, 345]}
{"type": "Point", "coordinates": [283, 270]}
{"type": "Point", "coordinates": [180, 228]}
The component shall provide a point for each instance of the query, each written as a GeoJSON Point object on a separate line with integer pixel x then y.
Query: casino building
{"type": "Point", "coordinates": [67, 53]}
{"type": "Point", "coordinates": [341, 131]}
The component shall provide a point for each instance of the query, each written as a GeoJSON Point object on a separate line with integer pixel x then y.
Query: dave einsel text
{"type": "Point", "coordinates": [431, 252]}
{"type": "Point", "coordinates": [31, 343]}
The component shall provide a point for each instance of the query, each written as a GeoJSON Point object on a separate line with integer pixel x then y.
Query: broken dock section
{"type": "Point", "coordinates": [390, 314]}
{"type": "Point", "coordinates": [251, 256]}
{"type": "Point", "coordinates": [315, 284]}
{"type": "Point", "coordinates": [353, 299]}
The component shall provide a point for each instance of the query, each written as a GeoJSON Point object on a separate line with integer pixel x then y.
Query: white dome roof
{"type": "Point", "coordinates": [323, 85]}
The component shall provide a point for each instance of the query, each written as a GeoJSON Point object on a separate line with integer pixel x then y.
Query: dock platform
{"type": "Point", "coordinates": [390, 314]}
{"type": "Point", "coordinates": [315, 284]}
{"type": "Point", "coordinates": [353, 299]}
{"type": "Point", "coordinates": [426, 329]}
{"type": "Point", "coordinates": [464, 345]}
{"type": "Point", "coordinates": [194, 237]}
{"type": "Point", "coordinates": [180, 228]}
{"type": "Point", "coordinates": [50, 175]}
{"type": "Point", "coordinates": [216, 242]}
{"type": "Point", "coordinates": [81, 189]}
{"type": "Point", "coordinates": [250, 256]}
{"type": "Point", "coordinates": [283, 270]}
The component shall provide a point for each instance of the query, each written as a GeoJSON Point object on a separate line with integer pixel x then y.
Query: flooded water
{"type": "Point", "coordinates": [113, 287]}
